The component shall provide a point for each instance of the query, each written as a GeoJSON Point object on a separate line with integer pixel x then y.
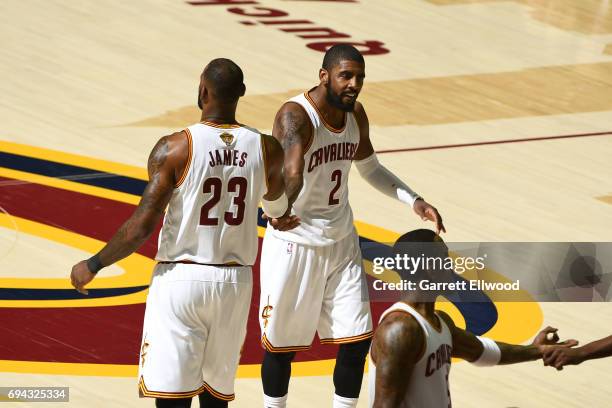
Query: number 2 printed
{"type": "Point", "coordinates": [336, 177]}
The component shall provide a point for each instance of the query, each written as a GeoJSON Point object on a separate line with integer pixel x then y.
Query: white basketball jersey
{"type": "Point", "coordinates": [428, 385]}
{"type": "Point", "coordinates": [322, 204]}
{"type": "Point", "coordinates": [212, 215]}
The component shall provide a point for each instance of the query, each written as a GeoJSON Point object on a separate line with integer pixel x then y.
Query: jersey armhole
{"type": "Point", "coordinates": [189, 158]}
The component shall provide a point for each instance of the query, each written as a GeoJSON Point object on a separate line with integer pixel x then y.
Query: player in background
{"type": "Point", "coordinates": [312, 279]}
{"type": "Point", "coordinates": [211, 177]}
{"type": "Point", "coordinates": [411, 352]}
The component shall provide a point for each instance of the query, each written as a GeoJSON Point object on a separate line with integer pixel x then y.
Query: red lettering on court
{"type": "Point", "coordinates": [271, 12]}
{"type": "Point", "coordinates": [267, 16]}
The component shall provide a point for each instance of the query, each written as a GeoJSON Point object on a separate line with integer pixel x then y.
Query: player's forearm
{"type": "Point", "coordinates": [293, 186]}
{"type": "Point", "coordinates": [596, 349]}
{"type": "Point", "coordinates": [379, 177]}
{"type": "Point", "coordinates": [512, 354]}
{"type": "Point", "coordinates": [132, 234]}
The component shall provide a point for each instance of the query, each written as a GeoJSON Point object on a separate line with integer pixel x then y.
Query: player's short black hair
{"type": "Point", "coordinates": [419, 243]}
{"type": "Point", "coordinates": [224, 79]}
{"type": "Point", "coordinates": [420, 235]}
{"type": "Point", "coordinates": [341, 52]}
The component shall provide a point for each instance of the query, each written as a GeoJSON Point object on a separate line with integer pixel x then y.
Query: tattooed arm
{"type": "Point", "coordinates": [293, 130]}
{"type": "Point", "coordinates": [398, 344]}
{"type": "Point", "coordinates": [166, 163]}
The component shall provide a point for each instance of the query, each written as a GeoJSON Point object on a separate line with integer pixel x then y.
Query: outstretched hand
{"type": "Point", "coordinates": [428, 212]}
{"type": "Point", "coordinates": [547, 341]}
{"type": "Point", "coordinates": [284, 223]}
{"type": "Point", "coordinates": [560, 357]}
{"type": "Point", "coordinates": [81, 276]}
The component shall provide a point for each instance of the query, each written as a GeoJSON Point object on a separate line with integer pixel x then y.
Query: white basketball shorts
{"type": "Point", "coordinates": [194, 327]}
{"type": "Point", "coordinates": [312, 288]}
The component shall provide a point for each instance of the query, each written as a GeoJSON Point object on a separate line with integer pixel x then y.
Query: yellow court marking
{"type": "Point", "coordinates": [302, 368]}
{"type": "Point", "coordinates": [70, 186]}
{"type": "Point", "coordinates": [137, 269]}
{"type": "Point", "coordinates": [74, 160]}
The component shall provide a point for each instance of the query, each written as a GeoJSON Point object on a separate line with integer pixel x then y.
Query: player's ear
{"type": "Point", "coordinates": [204, 96]}
{"type": "Point", "coordinates": [323, 76]}
{"type": "Point", "coordinates": [242, 89]}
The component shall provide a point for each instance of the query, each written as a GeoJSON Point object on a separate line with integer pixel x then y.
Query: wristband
{"type": "Point", "coordinates": [491, 354]}
{"type": "Point", "coordinates": [275, 208]}
{"type": "Point", "coordinates": [94, 264]}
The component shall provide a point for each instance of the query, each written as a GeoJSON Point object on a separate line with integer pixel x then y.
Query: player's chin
{"type": "Point", "coordinates": [348, 106]}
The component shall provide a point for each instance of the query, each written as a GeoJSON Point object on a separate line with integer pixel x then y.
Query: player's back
{"type": "Point", "coordinates": [212, 215]}
{"type": "Point", "coordinates": [428, 383]}
{"type": "Point", "coordinates": [322, 203]}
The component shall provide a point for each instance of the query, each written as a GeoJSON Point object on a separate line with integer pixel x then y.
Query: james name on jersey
{"type": "Point", "coordinates": [227, 158]}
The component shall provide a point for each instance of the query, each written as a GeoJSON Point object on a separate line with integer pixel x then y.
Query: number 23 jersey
{"type": "Point", "coordinates": [212, 215]}
{"type": "Point", "coordinates": [322, 204]}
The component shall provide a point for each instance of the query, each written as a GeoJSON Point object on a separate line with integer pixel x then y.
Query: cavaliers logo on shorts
{"type": "Point", "coordinates": [266, 313]}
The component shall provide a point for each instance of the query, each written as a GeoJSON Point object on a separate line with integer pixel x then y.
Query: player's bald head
{"type": "Point", "coordinates": [341, 52]}
{"type": "Point", "coordinates": [224, 81]}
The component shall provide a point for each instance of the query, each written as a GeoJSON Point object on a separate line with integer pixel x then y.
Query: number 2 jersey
{"type": "Point", "coordinates": [212, 215]}
{"type": "Point", "coordinates": [322, 204]}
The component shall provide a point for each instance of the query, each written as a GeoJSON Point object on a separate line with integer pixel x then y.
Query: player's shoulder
{"type": "Point", "coordinates": [292, 110]}
{"type": "Point", "coordinates": [172, 143]}
{"type": "Point", "coordinates": [399, 334]}
{"type": "Point", "coordinates": [398, 327]}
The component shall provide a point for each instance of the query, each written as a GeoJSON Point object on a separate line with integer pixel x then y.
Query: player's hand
{"type": "Point", "coordinates": [428, 212]}
{"type": "Point", "coordinates": [81, 276]}
{"type": "Point", "coordinates": [548, 339]}
{"type": "Point", "coordinates": [559, 357]}
{"type": "Point", "coordinates": [284, 223]}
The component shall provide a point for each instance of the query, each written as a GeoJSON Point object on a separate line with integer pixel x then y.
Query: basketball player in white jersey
{"type": "Point", "coordinates": [412, 348]}
{"type": "Point", "coordinates": [211, 176]}
{"type": "Point", "coordinates": [311, 277]}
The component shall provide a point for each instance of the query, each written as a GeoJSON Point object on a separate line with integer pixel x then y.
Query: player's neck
{"type": "Point", "coordinates": [218, 116]}
{"type": "Point", "coordinates": [332, 115]}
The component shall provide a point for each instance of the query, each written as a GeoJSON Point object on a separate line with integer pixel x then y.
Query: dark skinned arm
{"type": "Point", "coordinates": [274, 161]}
{"type": "Point", "coordinates": [422, 208]}
{"type": "Point", "coordinates": [166, 163]}
{"type": "Point", "coordinates": [467, 346]}
{"type": "Point", "coordinates": [397, 345]}
{"type": "Point", "coordinates": [293, 130]}
{"type": "Point", "coordinates": [561, 357]}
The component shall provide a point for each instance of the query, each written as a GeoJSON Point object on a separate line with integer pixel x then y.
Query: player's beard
{"type": "Point", "coordinates": [335, 100]}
